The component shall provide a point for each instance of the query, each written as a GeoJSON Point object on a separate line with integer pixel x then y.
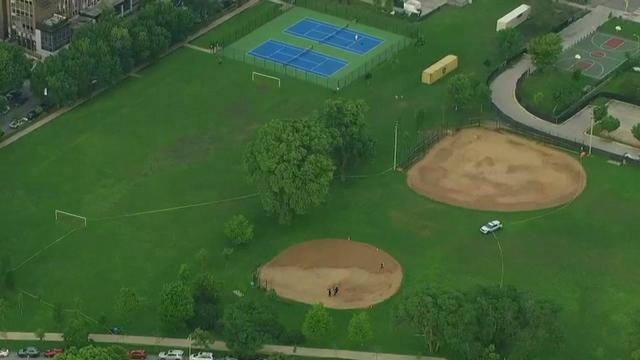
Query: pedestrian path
{"type": "Point", "coordinates": [221, 346]}
{"type": "Point", "coordinates": [503, 93]}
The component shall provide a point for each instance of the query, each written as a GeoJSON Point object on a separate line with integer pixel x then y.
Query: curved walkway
{"type": "Point", "coordinates": [503, 93]}
{"type": "Point", "coordinates": [220, 346]}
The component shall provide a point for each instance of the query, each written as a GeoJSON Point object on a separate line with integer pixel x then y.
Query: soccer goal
{"type": "Point", "coordinates": [263, 78]}
{"type": "Point", "coordinates": [66, 218]}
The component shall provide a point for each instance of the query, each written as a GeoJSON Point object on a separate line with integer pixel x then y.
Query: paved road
{"type": "Point", "coordinates": [220, 346]}
{"type": "Point", "coordinates": [503, 93]}
{"type": "Point", "coordinates": [20, 111]}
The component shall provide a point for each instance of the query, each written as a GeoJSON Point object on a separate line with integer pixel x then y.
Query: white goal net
{"type": "Point", "coordinates": [69, 219]}
{"type": "Point", "coordinates": [264, 78]}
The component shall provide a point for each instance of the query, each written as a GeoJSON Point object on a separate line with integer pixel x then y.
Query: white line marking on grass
{"type": "Point", "coordinates": [369, 175]}
{"type": "Point", "coordinates": [45, 248]}
{"type": "Point", "coordinates": [501, 260]}
{"type": "Point", "coordinates": [174, 208]}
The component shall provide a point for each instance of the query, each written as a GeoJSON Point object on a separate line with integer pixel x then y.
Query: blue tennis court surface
{"type": "Point", "coordinates": [336, 36]}
{"type": "Point", "coordinates": [300, 58]}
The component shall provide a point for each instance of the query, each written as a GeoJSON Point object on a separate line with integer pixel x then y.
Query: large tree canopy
{"type": "Point", "coordinates": [289, 162]}
{"type": "Point", "coordinates": [15, 67]}
{"type": "Point", "coordinates": [346, 122]}
{"type": "Point", "coordinates": [545, 50]}
{"type": "Point", "coordinates": [247, 325]}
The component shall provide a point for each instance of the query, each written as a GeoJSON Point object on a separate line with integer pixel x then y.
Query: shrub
{"type": "Point", "coordinates": [239, 230]}
{"type": "Point", "coordinates": [635, 130]}
{"type": "Point", "coordinates": [609, 123]}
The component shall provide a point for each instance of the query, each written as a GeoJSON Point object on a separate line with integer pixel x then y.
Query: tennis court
{"type": "Point", "coordinates": [335, 36]}
{"type": "Point", "coordinates": [301, 58]}
{"type": "Point", "coordinates": [598, 54]}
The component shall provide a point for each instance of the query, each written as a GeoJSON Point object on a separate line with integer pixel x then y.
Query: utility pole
{"type": "Point", "coordinates": [395, 147]}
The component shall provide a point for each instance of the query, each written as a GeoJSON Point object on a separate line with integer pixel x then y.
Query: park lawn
{"type": "Point", "coordinates": [177, 135]}
{"type": "Point", "coordinates": [547, 83]}
{"type": "Point", "coordinates": [626, 84]}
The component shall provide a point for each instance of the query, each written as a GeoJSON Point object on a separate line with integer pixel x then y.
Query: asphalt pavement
{"type": "Point", "coordinates": [19, 111]}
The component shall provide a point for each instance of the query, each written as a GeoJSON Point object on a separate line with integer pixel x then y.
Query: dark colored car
{"type": "Point", "coordinates": [31, 115]}
{"type": "Point", "coordinates": [137, 354]}
{"type": "Point", "coordinates": [30, 351]}
{"type": "Point", "coordinates": [53, 352]}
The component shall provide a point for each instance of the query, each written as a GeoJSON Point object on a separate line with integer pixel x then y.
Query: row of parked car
{"type": "Point", "coordinates": [34, 352]}
{"type": "Point", "coordinates": [17, 123]}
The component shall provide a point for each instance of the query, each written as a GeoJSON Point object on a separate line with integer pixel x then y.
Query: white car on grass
{"type": "Point", "coordinates": [491, 226]}
{"type": "Point", "coordinates": [171, 355]}
{"type": "Point", "coordinates": [201, 356]}
{"type": "Point", "coordinates": [4, 353]}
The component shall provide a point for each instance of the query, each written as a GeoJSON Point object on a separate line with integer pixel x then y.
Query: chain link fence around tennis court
{"type": "Point", "coordinates": [365, 14]}
{"type": "Point", "coordinates": [335, 83]}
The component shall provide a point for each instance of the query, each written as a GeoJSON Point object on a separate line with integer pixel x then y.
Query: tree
{"type": "Point", "coordinates": [201, 339]}
{"type": "Point", "coordinates": [126, 304]}
{"type": "Point", "coordinates": [545, 50]}
{"type": "Point", "coordinates": [635, 130]}
{"type": "Point", "coordinates": [239, 230]}
{"type": "Point", "coordinates": [542, 14]}
{"type": "Point", "coordinates": [184, 274]}
{"type": "Point", "coordinates": [359, 330]}
{"type": "Point", "coordinates": [205, 302]}
{"type": "Point", "coordinates": [247, 325]}
{"type": "Point", "coordinates": [76, 332]}
{"type": "Point", "coordinates": [94, 353]}
{"type": "Point", "coordinates": [600, 112]}
{"type": "Point", "coordinates": [439, 317]}
{"type": "Point", "coordinates": [345, 120]}
{"type": "Point", "coordinates": [460, 91]}
{"type": "Point", "coordinates": [317, 323]}
{"type": "Point", "coordinates": [510, 42]}
{"type": "Point", "coordinates": [40, 334]}
{"type": "Point", "coordinates": [15, 67]}
{"type": "Point", "coordinates": [609, 123]}
{"type": "Point", "coordinates": [176, 305]}
{"type": "Point", "coordinates": [226, 253]}
{"type": "Point", "coordinates": [576, 75]}
{"type": "Point", "coordinates": [388, 6]}
{"type": "Point", "coordinates": [4, 103]}
{"type": "Point", "coordinates": [289, 163]}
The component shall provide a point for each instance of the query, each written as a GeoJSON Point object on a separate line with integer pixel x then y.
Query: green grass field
{"type": "Point", "coordinates": [176, 136]}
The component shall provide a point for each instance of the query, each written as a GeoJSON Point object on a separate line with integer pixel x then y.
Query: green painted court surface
{"type": "Point", "coordinates": [599, 54]}
{"type": "Point", "coordinates": [275, 30]}
{"type": "Point", "coordinates": [177, 135]}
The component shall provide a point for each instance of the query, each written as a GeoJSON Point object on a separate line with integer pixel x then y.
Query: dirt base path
{"type": "Point", "coordinates": [364, 274]}
{"type": "Point", "coordinates": [498, 171]}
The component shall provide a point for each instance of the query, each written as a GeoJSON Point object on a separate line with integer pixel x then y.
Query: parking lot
{"type": "Point", "coordinates": [20, 107]}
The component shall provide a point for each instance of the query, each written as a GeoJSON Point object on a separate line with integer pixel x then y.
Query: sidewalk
{"type": "Point", "coordinates": [220, 346]}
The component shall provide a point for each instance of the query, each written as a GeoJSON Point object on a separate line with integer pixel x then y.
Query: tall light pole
{"type": "Point", "coordinates": [591, 133]}
{"type": "Point", "coordinates": [395, 147]}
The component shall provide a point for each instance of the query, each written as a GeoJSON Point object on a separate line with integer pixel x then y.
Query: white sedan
{"type": "Point", "coordinates": [201, 356]}
{"type": "Point", "coordinates": [4, 353]}
{"type": "Point", "coordinates": [491, 226]}
{"type": "Point", "coordinates": [171, 355]}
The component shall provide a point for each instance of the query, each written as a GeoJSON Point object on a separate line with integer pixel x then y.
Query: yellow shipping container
{"type": "Point", "coordinates": [438, 70]}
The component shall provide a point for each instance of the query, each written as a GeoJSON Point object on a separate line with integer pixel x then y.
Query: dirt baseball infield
{"type": "Point", "coordinates": [305, 272]}
{"type": "Point", "coordinates": [492, 170]}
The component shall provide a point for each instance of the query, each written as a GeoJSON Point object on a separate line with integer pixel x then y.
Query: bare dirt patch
{"type": "Point", "coordinates": [492, 170]}
{"type": "Point", "coordinates": [364, 274]}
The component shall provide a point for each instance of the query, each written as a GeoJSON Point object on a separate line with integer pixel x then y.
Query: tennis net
{"type": "Point", "coordinates": [332, 34]}
{"type": "Point", "coordinates": [299, 54]}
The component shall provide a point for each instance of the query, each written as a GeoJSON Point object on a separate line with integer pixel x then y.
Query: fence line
{"type": "Point", "coordinates": [365, 14]}
{"type": "Point", "coordinates": [336, 83]}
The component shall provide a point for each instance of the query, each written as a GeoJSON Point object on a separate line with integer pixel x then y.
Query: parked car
{"type": "Point", "coordinates": [491, 226]}
{"type": "Point", "coordinates": [201, 356]}
{"type": "Point", "coordinates": [30, 351]}
{"type": "Point", "coordinates": [14, 124]}
{"type": "Point", "coordinates": [31, 115]}
{"type": "Point", "coordinates": [53, 352]}
{"type": "Point", "coordinates": [38, 109]}
{"type": "Point", "coordinates": [4, 353]}
{"type": "Point", "coordinates": [631, 157]}
{"type": "Point", "coordinates": [137, 354]}
{"type": "Point", "coordinates": [171, 355]}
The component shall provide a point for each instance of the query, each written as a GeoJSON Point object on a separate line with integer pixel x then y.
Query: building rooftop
{"type": "Point", "coordinates": [56, 21]}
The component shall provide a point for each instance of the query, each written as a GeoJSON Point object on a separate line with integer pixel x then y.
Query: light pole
{"type": "Point", "coordinates": [395, 147]}
{"type": "Point", "coordinates": [591, 133]}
